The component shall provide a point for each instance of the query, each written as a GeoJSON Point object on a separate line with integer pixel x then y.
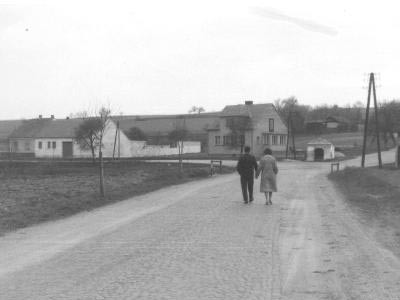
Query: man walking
{"type": "Point", "coordinates": [246, 167]}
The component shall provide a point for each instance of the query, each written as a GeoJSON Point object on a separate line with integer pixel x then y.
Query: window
{"type": "Point", "coordinates": [48, 145]}
{"type": "Point", "coordinates": [54, 145]}
{"type": "Point", "coordinates": [227, 140]}
{"type": "Point", "coordinates": [274, 139]}
{"type": "Point", "coordinates": [27, 146]}
{"type": "Point", "coordinates": [271, 125]}
{"type": "Point", "coordinates": [217, 140]}
{"type": "Point", "coordinates": [265, 139]}
{"type": "Point", "coordinates": [258, 140]}
{"type": "Point", "coordinates": [241, 139]}
{"type": "Point", "coordinates": [282, 139]}
{"type": "Point", "coordinates": [15, 146]}
{"type": "Point", "coordinates": [40, 145]}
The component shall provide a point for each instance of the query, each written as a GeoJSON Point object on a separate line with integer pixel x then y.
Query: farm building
{"type": "Point", "coordinates": [315, 126]}
{"type": "Point", "coordinates": [226, 132]}
{"type": "Point", "coordinates": [336, 123]}
{"type": "Point", "coordinates": [264, 128]}
{"type": "Point", "coordinates": [255, 125]}
{"type": "Point", "coordinates": [320, 149]}
{"type": "Point", "coordinates": [54, 138]}
{"type": "Point", "coordinates": [158, 127]}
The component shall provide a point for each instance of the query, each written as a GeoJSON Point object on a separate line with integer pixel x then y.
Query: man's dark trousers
{"type": "Point", "coordinates": [247, 187]}
{"type": "Point", "coordinates": [246, 167]}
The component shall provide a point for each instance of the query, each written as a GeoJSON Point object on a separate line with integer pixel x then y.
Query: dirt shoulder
{"type": "Point", "coordinates": [373, 195]}
{"type": "Point", "coordinates": [31, 193]}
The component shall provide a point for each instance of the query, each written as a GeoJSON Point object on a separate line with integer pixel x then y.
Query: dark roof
{"type": "Point", "coordinates": [7, 127]}
{"type": "Point", "coordinates": [253, 111]}
{"type": "Point", "coordinates": [259, 111]}
{"type": "Point", "coordinates": [47, 128]}
{"type": "Point", "coordinates": [60, 128]}
{"type": "Point", "coordinates": [338, 119]}
{"type": "Point", "coordinates": [237, 110]}
{"type": "Point", "coordinates": [187, 116]}
{"type": "Point", "coordinates": [162, 125]}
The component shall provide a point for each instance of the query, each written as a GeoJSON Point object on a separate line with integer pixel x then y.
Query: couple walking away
{"type": "Point", "coordinates": [247, 166]}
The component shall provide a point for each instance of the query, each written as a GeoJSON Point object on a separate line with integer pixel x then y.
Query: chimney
{"type": "Point", "coordinates": [248, 102]}
{"type": "Point", "coordinates": [52, 117]}
{"type": "Point", "coordinates": [40, 116]}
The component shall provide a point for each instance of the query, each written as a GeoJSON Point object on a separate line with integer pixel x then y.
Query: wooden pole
{"type": "Point", "coordinates": [102, 194]}
{"type": "Point", "coordinates": [115, 140]}
{"type": "Point", "coordinates": [377, 123]}
{"type": "Point", "coordinates": [366, 120]}
{"type": "Point", "coordinates": [287, 139]}
{"type": "Point", "coordinates": [119, 140]}
{"type": "Point", "coordinates": [293, 137]}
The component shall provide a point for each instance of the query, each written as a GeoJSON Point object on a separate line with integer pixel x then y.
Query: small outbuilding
{"type": "Point", "coordinates": [320, 149]}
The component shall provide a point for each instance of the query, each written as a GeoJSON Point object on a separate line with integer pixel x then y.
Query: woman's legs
{"type": "Point", "coordinates": [267, 199]}
{"type": "Point", "coordinates": [270, 197]}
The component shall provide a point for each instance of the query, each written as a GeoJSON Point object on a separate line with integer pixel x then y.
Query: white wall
{"type": "Point", "coordinates": [332, 125]}
{"type": "Point", "coordinates": [141, 149]}
{"type": "Point", "coordinates": [329, 151]}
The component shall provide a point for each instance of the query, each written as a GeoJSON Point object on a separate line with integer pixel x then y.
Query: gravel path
{"type": "Point", "coordinates": [199, 241]}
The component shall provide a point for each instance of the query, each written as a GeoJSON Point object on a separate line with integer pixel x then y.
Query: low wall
{"type": "Point", "coordinates": [141, 149]}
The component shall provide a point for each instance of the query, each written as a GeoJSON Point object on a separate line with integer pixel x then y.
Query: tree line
{"type": "Point", "coordinates": [351, 116]}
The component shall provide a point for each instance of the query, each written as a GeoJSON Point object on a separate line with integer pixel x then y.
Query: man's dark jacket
{"type": "Point", "coordinates": [247, 165]}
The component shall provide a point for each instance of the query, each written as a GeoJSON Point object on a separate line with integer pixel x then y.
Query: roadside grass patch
{"type": "Point", "coordinates": [31, 193]}
{"type": "Point", "coordinates": [374, 195]}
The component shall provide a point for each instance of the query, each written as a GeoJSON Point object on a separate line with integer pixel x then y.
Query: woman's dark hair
{"type": "Point", "coordinates": [267, 151]}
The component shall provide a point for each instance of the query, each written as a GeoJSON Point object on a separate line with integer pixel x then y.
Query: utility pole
{"type": "Point", "coordinates": [119, 140]}
{"type": "Point", "coordinates": [290, 133]}
{"type": "Point", "coordinates": [371, 87]}
{"type": "Point", "coordinates": [115, 140]}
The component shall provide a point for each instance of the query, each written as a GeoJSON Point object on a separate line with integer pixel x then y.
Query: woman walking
{"type": "Point", "coordinates": [268, 170]}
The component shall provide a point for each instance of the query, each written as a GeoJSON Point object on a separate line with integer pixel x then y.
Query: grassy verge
{"type": "Point", "coordinates": [374, 195]}
{"type": "Point", "coordinates": [36, 192]}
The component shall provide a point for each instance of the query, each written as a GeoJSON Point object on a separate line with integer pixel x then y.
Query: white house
{"type": "Point", "coordinates": [259, 126]}
{"type": "Point", "coordinates": [53, 138]}
{"type": "Point", "coordinates": [320, 149]}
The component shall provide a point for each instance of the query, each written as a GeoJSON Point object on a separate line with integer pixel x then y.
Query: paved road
{"type": "Point", "coordinates": [199, 241]}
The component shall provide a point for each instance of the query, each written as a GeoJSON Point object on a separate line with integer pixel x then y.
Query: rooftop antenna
{"type": "Point", "coordinates": [371, 86]}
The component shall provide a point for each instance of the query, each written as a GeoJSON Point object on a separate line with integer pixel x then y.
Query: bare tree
{"type": "Point", "coordinates": [136, 134]}
{"type": "Point", "coordinates": [89, 136]}
{"type": "Point", "coordinates": [238, 127]}
{"type": "Point", "coordinates": [104, 115]}
{"type": "Point", "coordinates": [196, 110]}
{"type": "Point", "coordinates": [389, 122]}
{"type": "Point", "coordinates": [177, 136]}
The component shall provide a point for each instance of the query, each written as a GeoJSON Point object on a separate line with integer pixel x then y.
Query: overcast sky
{"type": "Point", "coordinates": [156, 57]}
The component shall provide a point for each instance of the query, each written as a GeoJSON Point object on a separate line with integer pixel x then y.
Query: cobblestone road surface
{"type": "Point", "coordinates": [199, 241]}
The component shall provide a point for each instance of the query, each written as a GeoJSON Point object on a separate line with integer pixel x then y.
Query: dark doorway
{"type": "Point", "coordinates": [67, 149]}
{"type": "Point", "coordinates": [319, 154]}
